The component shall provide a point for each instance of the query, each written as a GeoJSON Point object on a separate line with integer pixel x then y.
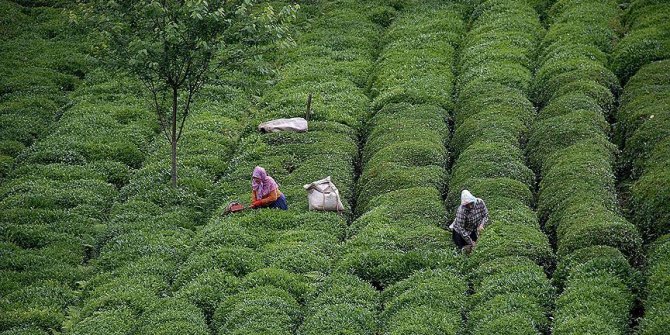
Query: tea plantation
{"type": "Point", "coordinates": [555, 112]}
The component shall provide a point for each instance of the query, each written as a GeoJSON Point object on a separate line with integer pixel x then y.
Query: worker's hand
{"type": "Point", "coordinates": [480, 229]}
{"type": "Point", "coordinates": [468, 248]}
{"type": "Point", "coordinates": [255, 204]}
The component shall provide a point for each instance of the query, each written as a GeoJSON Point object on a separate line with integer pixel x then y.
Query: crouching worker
{"type": "Point", "coordinates": [472, 217]}
{"type": "Point", "coordinates": [265, 191]}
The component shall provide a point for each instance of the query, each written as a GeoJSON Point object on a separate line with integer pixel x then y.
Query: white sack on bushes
{"type": "Point", "coordinates": [296, 124]}
{"type": "Point", "coordinates": [323, 196]}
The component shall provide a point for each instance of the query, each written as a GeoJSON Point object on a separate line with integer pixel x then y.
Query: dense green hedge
{"type": "Point", "coordinates": [429, 301]}
{"type": "Point", "coordinates": [599, 297]}
{"type": "Point", "coordinates": [341, 303]}
{"type": "Point", "coordinates": [595, 259]}
{"type": "Point", "coordinates": [569, 147]}
{"type": "Point", "coordinates": [641, 60]}
{"type": "Point", "coordinates": [644, 117]}
{"type": "Point", "coordinates": [275, 264]}
{"type": "Point", "coordinates": [647, 39]}
{"type": "Point", "coordinates": [404, 157]}
{"type": "Point", "coordinates": [149, 229]}
{"type": "Point", "coordinates": [510, 282]}
{"type": "Point", "coordinates": [414, 246]}
{"type": "Point", "coordinates": [511, 292]}
{"type": "Point", "coordinates": [56, 201]}
{"type": "Point", "coordinates": [262, 309]}
{"type": "Point", "coordinates": [657, 302]}
{"type": "Point", "coordinates": [42, 59]}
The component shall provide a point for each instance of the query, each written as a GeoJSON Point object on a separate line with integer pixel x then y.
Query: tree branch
{"type": "Point", "coordinates": [159, 109]}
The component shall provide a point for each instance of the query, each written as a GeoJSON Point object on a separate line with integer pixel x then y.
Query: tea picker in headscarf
{"type": "Point", "coordinates": [265, 191]}
{"type": "Point", "coordinates": [472, 217]}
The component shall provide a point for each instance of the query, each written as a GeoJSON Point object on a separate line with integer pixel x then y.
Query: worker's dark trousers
{"type": "Point", "coordinates": [460, 242]}
{"type": "Point", "coordinates": [279, 203]}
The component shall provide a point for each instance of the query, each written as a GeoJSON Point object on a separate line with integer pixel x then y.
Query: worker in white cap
{"type": "Point", "coordinates": [472, 217]}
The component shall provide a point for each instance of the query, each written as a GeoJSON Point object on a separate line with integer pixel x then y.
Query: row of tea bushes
{"type": "Point", "coordinates": [430, 301]}
{"type": "Point", "coordinates": [269, 262]}
{"type": "Point", "coordinates": [41, 60]}
{"type": "Point", "coordinates": [511, 292]}
{"type": "Point", "coordinates": [569, 147]}
{"type": "Point", "coordinates": [330, 148]}
{"type": "Point", "coordinates": [404, 156]}
{"type": "Point", "coordinates": [647, 39]}
{"type": "Point", "coordinates": [641, 58]}
{"type": "Point", "coordinates": [342, 304]}
{"type": "Point", "coordinates": [644, 118]}
{"type": "Point", "coordinates": [396, 243]}
{"type": "Point", "coordinates": [657, 300]}
{"type": "Point", "coordinates": [56, 202]}
{"type": "Point", "coordinates": [279, 263]}
{"type": "Point", "coordinates": [150, 229]}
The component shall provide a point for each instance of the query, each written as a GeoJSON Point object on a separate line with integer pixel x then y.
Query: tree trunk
{"type": "Point", "coordinates": [174, 137]}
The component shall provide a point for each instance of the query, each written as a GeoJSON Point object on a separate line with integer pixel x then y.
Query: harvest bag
{"type": "Point", "coordinates": [323, 196]}
{"type": "Point", "coordinates": [296, 124]}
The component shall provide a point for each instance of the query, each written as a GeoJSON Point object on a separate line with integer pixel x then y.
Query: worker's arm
{"type": "Point", "coordinates": [458, 225]}
{"type": "Point", "coordinates": [268, 199]}
{"type": "Point", "coordinates": [485, 219]}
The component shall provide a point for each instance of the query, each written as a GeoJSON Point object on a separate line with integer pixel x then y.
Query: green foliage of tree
{"type": "Point", "coordinates": [172, 47]}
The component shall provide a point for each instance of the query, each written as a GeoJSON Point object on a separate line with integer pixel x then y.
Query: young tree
{"type": "Point", "coordinates": [170, 46]}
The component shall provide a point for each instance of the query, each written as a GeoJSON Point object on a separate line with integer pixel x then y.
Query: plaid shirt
{"type": "Point", "coordinates": [467, 220]}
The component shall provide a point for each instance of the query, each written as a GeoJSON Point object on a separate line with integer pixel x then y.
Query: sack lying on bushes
{"type": "Point", "coordinates": [296, 124]}
{"type": "Point", "coordinates": [323, 195]}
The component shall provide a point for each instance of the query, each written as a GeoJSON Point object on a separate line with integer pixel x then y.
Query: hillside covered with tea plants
{"type": "Point", "coordinates": [555, 112]}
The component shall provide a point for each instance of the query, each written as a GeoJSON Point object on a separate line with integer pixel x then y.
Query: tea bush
{"type": "Point", "coordinates": [173, 316]}
{"type": "Point", "coordinates": [513, 313]}
{"type": "Point", "coordinates": [43, 60]}
{"type": "Point", "coordinates": [302, 252]}
{"type": "Point", "coordinates": [511, 274]}
{"type": "Point", "coordinates": [656, 302]}
{"type": "Point", "coordinates": [382, 209]}
{"type": "Point", "coordinates": [569, 147]}
{"type": "Point", "coordinates": [429, 300]}
{"type": "Point", "coordinates": [384, 254]}
{"type": "Point", "coordinates": [404, 157]}
{"type": "Point", "coordinates": [263, 309]}
{"type": "Point", "coordinates": [509, 238]}
{"type": "Point", "coordinates": [208, 289]}
{"type": "Point", "coordinates": [492, 120]}
{"type": "Point", "coordinates": [598, 297]}
{"type": "Point", "coordinates": [40, 304]}
{"type": "Point", "coordinates": [644, 122]}
{"type": "Point", "coordinates": [649, 195]}
{"type": "Point", "coordinates": [341, 303]}
{"type": "Point", "coordinates": [61, 193]}
{"type": "Point", "coordinates": [295, 248]}
{"type": "Point", "coordinates": [491, 160]}
{"type": "Point", "coordinates": [114, 321]}
{"type": "Point", "coordinates": [647, 39]}
{"type": "Point", "coordinates": [342, 318]}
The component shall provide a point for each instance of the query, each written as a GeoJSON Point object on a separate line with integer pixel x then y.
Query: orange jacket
{"type": "Point", "coordinates": [268, 199]}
